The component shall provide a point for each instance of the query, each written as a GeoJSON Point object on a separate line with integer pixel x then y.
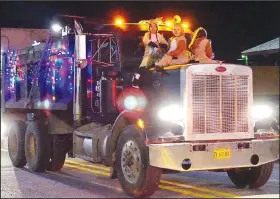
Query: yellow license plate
{"type": "Point", "coordinates": [222, 154]}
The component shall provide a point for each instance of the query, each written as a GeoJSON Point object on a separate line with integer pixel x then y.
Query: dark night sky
{"type": "Point", "coordinates": [232, 26]}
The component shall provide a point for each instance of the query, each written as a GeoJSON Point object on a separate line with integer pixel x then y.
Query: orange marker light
{"type": "Point", "coordinates": [119, 21]}
{"type": "Point", "coordinates": [143, 27]}
{"type": "Point", "coordinates": [140, 123]}
{"type": "Point", "coordinates": [169, 23]}
{"type": "Point", "coordinates": [185, 25]}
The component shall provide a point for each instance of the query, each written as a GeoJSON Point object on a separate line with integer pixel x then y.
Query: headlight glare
{"type": "Point", "coordinates": [261, 112]}
{"type": "Point", "coordinates": [172, 113]}
{"type": "Point", "coordinates": [130, 102]}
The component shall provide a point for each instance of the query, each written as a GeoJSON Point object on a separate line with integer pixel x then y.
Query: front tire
{"type": "Point", "coordinates": [37, 146]}
{"type": "Point", "coordinates": [16, 138]}
{"type": "Point", "coordinates": [136, 176]}
{"type": "Point", "coordinates": [253, 177]}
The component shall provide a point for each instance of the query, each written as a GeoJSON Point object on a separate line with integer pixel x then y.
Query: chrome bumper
{"type": "Point", "coordinates": [172, 155]}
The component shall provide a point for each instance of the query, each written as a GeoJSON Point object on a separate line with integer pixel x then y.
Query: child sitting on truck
{"type": "Point", "coordinates": [177, 53]}
{"type": "Point", "coordinates": [154, 43]}
{"type": "Point", "coordinates": [201, 47]}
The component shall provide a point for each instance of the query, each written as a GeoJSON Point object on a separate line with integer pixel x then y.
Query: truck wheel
{"type": "Point", "coordinates": [136, 176]}
{"type": "Point", "coordinates": [253, 177]}
{"type": "Point", "coordinates": [16, 143]}
{"type": "Point", "coordinates": [37, 146]}
{"type": "Point", "coordinates": [58, 153]}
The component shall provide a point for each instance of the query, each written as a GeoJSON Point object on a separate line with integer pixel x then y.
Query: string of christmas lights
{"type": "Point", "coordinates": [56, 69]}
{"type": "Point", "coordinates": [10, 73]}
{"type": "Point", "coordinates": [60, 71]}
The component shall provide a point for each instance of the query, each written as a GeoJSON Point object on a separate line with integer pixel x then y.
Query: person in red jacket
{"type": "Point", "coordinates": [177, 53]}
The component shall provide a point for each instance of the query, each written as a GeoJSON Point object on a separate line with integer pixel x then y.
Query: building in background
{"type": "Point", "coordinates": [264, 61]}
{"type": "Point", "coordinates": [266, 54]}
{"type": "Point", "coordinates": [18, 38]}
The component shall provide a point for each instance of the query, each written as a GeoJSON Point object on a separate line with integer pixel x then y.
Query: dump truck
{"type": "Point", "coordinates": [81, 94]}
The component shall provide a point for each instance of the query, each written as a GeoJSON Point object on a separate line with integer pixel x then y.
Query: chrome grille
{"type": "Point", "coordinates": [220, 103]}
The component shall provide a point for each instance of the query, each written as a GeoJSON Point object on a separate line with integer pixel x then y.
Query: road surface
{"type": "Point", "coordinates": [84, 180]}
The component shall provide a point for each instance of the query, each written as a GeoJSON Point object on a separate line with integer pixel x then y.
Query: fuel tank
{"type": "Point", "coordinates": [91, 143]}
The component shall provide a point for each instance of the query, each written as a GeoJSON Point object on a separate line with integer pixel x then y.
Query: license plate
{"type": "Point", "coordinates": [222, 154]}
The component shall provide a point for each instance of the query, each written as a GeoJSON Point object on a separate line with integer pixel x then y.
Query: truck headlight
{"type": "Point", "coordinates": [261, 112]}
{"type": "Point", "coordinates": [130, 102]}
{"type": "Point", "coordinates": [171, 113]}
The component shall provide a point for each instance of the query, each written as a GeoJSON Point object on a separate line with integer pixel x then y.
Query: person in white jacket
{"type": "Point", "coordinates": [155, 45]}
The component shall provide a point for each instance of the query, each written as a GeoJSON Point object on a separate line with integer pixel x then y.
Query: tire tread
{"type": "Point", "coordinates": [254, 179]}
{"type": "Point", "coordinates": [19, 161]}
{"type": "Point", "coordinates": [152, 174]}
{"type": "Point", "coordinates": [39, 130]}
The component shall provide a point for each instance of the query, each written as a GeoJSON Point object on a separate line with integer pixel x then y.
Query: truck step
{"type": "Point", "coordinates": [174, 138]}
{"type": "Point", "coordinates": [83, 134]}
{"type": "Point", "coordinates": [89, 130]}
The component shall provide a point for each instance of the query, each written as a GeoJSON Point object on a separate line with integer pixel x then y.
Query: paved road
{"type": "Point", "coordinates": [81, 179]}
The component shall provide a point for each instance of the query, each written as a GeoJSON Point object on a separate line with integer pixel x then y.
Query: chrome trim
{"type": "Point", "coordinates": [171, 155]}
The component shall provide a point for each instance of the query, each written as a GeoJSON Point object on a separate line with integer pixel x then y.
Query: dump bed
{"type": "Point", "coordinates": [39, 76]}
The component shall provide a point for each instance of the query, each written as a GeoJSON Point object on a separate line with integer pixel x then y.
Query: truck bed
{"type": "Point", "coordinates": [53, 71]}
{"type": "Point", "coordinates": [62, 104]}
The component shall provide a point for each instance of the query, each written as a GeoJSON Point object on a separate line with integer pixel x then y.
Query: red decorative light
{"type": "Point", "coordinates": [220, 69]}
{"type": "Point", "coordinates": [89, 94]}
{"type": "Point", "coordinates": [90, 80]}
{"type": "Point", "coordinates": [114, 94]}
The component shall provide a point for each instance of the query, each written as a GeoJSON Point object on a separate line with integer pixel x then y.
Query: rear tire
{"type": "Point", "coordinates": [37, 146]}
{"type": "Point", "coordinates": [132, 159]}
{"type": "Point", "coordinates": [16, 138]}
{"type": "Point", "coordinates": [253, 177]}
{"type": "Point", "coordinates": [58, 153]}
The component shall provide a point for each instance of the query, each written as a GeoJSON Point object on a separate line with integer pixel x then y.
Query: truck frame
{"type": "Point", "coordinates": [78, 97]}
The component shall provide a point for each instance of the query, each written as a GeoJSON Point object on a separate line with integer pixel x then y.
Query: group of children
{"type": "Point", "coordinates": [160, 53]}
